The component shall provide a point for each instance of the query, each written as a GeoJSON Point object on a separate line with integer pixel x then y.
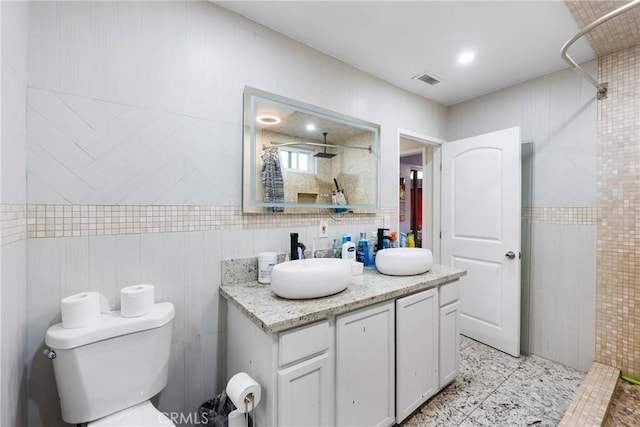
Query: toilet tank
{"type": "Point", "coordinates": [117, 363]}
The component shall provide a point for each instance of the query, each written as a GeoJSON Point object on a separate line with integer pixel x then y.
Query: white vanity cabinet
{"type": "Point", "coordinates": [294, 367]}
{"type": "Point", "coordinates": [449, 345]}
{"type": "Point", "coordinates": [305, 376]}
{"type": "Point", "coordinates": [358, 363]}
{"type": "Point", "coordinates": [365, 366]}
{"type": "Point", "coordinates": [416, 351]}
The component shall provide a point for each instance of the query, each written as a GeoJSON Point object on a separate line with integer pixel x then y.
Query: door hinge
{"type": "Point", "coordinates": [441, 234]}
{"type": "Point", "coordinates": [440, 167]}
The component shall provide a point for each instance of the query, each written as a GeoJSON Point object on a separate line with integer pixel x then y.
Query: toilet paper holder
{"type": "Point", "coordinates": [249, 399]}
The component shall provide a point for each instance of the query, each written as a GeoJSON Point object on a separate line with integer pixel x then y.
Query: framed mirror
{"type": "Point", "coordinates": [303, 159]}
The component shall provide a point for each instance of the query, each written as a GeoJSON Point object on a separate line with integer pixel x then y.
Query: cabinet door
{"type": "Point", "coordinates": [365, 367]}
{"type": "Point", "coordinates": [449, 343]}
{"type": "Point", "coordinates": [416, 351]}
{"type": "Point", "coordinates": [305, 395]}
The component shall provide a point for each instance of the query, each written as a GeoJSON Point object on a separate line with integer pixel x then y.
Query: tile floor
{"type": "Point", "coordinates": [495, 389]}
{"type": "Point", "coordinates": [625, 406]}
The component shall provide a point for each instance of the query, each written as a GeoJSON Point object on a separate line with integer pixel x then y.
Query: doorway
{"type": "Point", "coordinates": [419, 189]}
{"type": "Point", "coordinates": [411, 197]}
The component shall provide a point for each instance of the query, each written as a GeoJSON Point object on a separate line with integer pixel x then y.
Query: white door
{"type": "Point", "coordinates": [481, 213]}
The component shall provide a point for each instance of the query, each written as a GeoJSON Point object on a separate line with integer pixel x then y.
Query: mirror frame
{"type": "Point", "coordinates": [250, 204]}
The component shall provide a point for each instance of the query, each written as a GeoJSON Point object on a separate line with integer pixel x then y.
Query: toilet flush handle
{"type": "Point", "coordinates": [49, 353]}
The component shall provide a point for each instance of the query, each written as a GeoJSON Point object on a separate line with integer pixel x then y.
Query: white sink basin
{"type": "Point", "coordinates": [310, 278]}
{"type": "Point", "coordinates": [404, 261]}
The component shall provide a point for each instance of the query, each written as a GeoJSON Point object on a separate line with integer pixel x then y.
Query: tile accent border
{"type": "Point", "coordinates": [12, 223]}
{"type": "Point", "coordinates": [18, 222]}
{"type": "Point", "coordinates": [43, 221]}
{"type": "Point", "coordinates": [566, 216]}
{"type": "Point", "coordinates": [590, 405]}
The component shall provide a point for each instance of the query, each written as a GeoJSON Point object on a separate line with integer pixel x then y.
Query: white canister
{"type": "Point", "coordinates": [266, 262]}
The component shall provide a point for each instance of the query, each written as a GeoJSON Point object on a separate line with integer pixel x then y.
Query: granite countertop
{"type": "Point", "coordinates": [273, 314]}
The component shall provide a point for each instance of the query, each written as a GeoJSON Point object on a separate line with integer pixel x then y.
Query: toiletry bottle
{"type": "Point", "coordinates": [373, 240]}
{"type": "Point", "coordinates": [403, 240]}
{"type": "Point", "coordinates": [411, 242]}
{"type": "Point", "coordinates": [348, 249]}
{"type": "Point", "coordinates": [336, 248]}
{"type": "Point", "coordinates": [362, 250]}
{"type": "Point", "coordinates": [266, 262]}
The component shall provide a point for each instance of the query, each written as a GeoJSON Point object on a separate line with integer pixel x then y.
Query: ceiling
{"type": "Point", "coordinates": [513, 41]}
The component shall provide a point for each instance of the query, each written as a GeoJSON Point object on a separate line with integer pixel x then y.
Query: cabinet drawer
{"type": "Point", "coordinates": [449, 293]}
{"type": "Point", "coordinates": [303, 342]}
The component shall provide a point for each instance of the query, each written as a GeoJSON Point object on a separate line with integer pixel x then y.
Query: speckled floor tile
{"type": "Point", "coordinates": [453, 404]}
{"type": "Point", "coordinates": [543, 387]}
{"type": "Point", "coordinates": [502, 410]}
{"type": "Point", "coordinates": [495, 389]}
{"type": "Point", "coordinates": [465, 342]}
{"type": "Point", "coordinates": [625, 406]}
{"type": "Point", "coordinates": [560, 375]}
{"type": "Point", "coordinates": [488, 365]}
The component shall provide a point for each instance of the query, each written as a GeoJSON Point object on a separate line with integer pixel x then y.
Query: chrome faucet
{"type": "Point", "coordinates": [297, 248]}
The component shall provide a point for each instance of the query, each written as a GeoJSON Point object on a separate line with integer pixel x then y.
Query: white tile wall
{"type": "Point", "coordinates": [563, 293]}
{"type": "Point", "coordinates": [558, 112]}
{"type": "Point", "coordinates": [152, 94]}
{"type": "Point", "coordinates": [13, 323]}
{"type": "Point", "coordinates": [13, 280]}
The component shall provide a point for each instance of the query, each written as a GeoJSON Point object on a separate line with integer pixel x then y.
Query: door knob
{"type": "Point", "coordinates": [510, 255]}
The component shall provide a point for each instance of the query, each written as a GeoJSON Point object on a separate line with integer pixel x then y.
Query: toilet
{"type": "Point", "coordinates": [107, 372]}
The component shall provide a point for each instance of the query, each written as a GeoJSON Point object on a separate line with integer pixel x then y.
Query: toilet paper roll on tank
{"type": "Point", "coordinates": [137, 300]}
{"type": "Point", "coordinates": [83, 309]}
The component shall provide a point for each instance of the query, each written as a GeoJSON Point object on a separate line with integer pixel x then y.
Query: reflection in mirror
{"type": "Point", "coordinates": [303, 159]}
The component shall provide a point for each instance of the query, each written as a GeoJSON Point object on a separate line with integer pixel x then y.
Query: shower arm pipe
{"type": "Point", "coordinates": [317, 144]}
{"type": "Point", "coordinates": [601, 87]}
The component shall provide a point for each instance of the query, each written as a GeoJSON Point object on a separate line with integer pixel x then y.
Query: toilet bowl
{"type": "Point", "coordinates": [107, 372]}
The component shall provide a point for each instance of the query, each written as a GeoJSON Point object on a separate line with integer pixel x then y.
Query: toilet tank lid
{"type": "Point", "coordinates": [110, 325]}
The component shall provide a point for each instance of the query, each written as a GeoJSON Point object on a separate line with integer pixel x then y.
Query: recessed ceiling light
{"type": "Point", "coordinates": [311, 127]}
{"type": "Point", "coordinates": [268, 119]}
{"type": "Point", "coordinates": [466, 57]}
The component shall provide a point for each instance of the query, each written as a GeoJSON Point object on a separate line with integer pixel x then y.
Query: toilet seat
{"type": "Point", "coordinates": [141, 415]}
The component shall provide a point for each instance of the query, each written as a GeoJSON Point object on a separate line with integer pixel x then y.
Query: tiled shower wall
{"type": "Point", "coordinates": [618, 253]}
{"type": "Point", "coordinates": [134, 167]}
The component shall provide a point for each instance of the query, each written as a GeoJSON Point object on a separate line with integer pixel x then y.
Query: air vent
{"type": "Point", "coordinates": [428, 79]}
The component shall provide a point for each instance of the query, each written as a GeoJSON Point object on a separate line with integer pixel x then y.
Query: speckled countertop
{"type": "Point", "coordinates": [273, 314]}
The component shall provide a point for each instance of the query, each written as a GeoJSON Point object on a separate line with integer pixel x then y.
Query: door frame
{"type": "Point", "coordinates": [430, 169]}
